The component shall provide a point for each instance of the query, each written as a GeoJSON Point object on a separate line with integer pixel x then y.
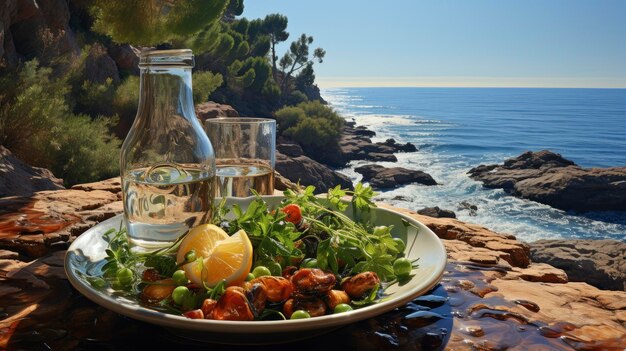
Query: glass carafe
{"type": "Point", "coordinates": [167, 161]}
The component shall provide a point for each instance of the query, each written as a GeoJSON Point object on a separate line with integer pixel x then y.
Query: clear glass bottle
{"type": "Point", "coordinates": [167, 161]}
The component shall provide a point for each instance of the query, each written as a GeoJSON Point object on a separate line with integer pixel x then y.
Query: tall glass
{"type": "Point", "coordinates": [167, 161]}
{"type": "Point", "coordinates": [245, 155]}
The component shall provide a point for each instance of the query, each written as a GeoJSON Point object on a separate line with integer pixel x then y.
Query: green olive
{"type": "Point", "coordinates": [300, 314]}
{"type": "Point", "coordinates": [402, 267]}
{"type": "Point", "coordinates": [260, 271]}
{"type": "Point", "coordinates": [179, 294]}
{"type": "Point", "coordinates": [180, 278]}
{"type": "Point", "coordinates": [342, 307]}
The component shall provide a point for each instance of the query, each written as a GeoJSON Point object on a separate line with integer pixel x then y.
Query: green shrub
{"type": "Point", "coordinates": [316, 127]}
{"type": "Point", "coordinates": [37, 125]}
{"type": "Point", "coordinates": [125, 102]}
{"type": "Point", "coordinates": [96, 99]}
{"type": "Point", "coordinates": [204, 83]}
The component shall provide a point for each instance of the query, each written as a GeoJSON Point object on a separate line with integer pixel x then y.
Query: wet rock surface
{"type": "Point", "coordinates": [437, 212]}
{"type": "Point", "coordinates": [381, 177]}
{"type": "Point", "coordinates": [491, 297]}
{"type": "Point", "coordinates": [550, 179]}
{"type": "Point", "coordinates": [601, 263]}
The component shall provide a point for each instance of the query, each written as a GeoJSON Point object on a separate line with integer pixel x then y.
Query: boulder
{"type": "Point", "coordinates": [306, 171]}
{"type": "Point", "coordinates": [380, 157]}
{"type": "Point", "coordinates": [99, 66]}
{"type": "Point", "coordinates": [408, 147]}
{"type": "Point", "coordinates": [436, 212]}
{"type": "Point", "coordinates": [19, 179]}
{"type": "Point", "coordinates": [126, 57]}
{"type": "Point", "coordinates": [35, 29]}
{"type": "Point", "coordinates": [601, 263]}
{"type": "Point", "coordinates": [212, 109]}
{"type": "Point", "coordinates": [290, 149]}
{"type": "Point", "coordinates": [550, 179]}
{"type": "Point", "coordinates": [471, 208]}
{"type": "Point", "coordinates": [381, 177]}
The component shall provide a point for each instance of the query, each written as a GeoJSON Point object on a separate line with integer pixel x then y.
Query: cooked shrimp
{"type": "Point", "coordinates": [289, 271]}
{"type": "Point", "coordinates": [278, 288]}
{"type": "Point", "coordinates": [361, 284]}
{"type": "Point", "coordinates": [312, 281]}
{"type": "Point", "coordinates": [233, 305]}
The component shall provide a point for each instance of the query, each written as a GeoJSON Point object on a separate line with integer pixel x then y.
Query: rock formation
{"type": "Point", "coordinates": [31, 29]}
{"type": "Point", "coordinates": [601, 263]}
{"type": "Point", "coordinates": [380, 177]}
{"type": "Point", "coordinates": [306, 171]}
{"type": "Point", "coordinates": [550, 179]}
{"type": "Point", "coordinates": [19, 179]}
{"type": "Point", "coordinates": [212, 109]}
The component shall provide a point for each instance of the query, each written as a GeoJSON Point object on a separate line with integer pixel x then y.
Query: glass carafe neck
{"type": "Point", "coordinates": [165, 85]}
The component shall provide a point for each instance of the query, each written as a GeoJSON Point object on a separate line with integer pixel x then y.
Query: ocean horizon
{"type": "Point", "coordinates": [456, 129]}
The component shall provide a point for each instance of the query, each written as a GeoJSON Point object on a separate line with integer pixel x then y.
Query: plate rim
{"type": "Point", "coordinates": [145, 314]}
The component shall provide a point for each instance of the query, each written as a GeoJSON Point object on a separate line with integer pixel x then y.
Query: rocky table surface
{"type": "Point", "coordinates": [492, 297]}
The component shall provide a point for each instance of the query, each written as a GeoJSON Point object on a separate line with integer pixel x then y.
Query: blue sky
{"type": "Point", "coordinates": [535, 43]}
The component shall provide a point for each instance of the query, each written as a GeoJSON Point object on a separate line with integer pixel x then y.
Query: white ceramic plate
{"type": "Point", "coordinates": [86, 254]}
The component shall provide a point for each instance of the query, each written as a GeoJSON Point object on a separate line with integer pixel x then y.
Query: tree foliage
{"type": "Point", "coordinates": [152, 22]}
{"type": "Point", "coordinates": [316, 127]}
{"type": "Point", "coordinates": [298, 57]}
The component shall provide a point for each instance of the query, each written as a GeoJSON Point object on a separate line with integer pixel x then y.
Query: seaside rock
{"type": "Point", "coordinates": [212, 109]}
{"type": "Point", "coordinates": [309, 172]}
{"type": "Point", "coordinates": [550, 179]}
{"type": "Point", "coordinates": [381, 177]}
{"type": "Point", "coordinates": [436, 212]}
{"type": "Point", "coordinates": [601, 263]}
{"type": "Point", "coordinates": [363, 131]}
{"type": "Point", "coordinates": [464, 205]}
{"type": "Point", "coordinates": [19, 179]}
{"type": "Point", "coordinates": [290, 149]}
{"type": "Point", "coordinates": [408, 147]}
{"type": "Point", "coordinates": [505, 246]}
{"type": "Point", "coordinates": [281, 183]}
{"type": "Point", "coordinates": [376, 156]}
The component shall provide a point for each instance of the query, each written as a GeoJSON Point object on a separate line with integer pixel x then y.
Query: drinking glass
{"type": "Point", "coordinates": [244, 155]}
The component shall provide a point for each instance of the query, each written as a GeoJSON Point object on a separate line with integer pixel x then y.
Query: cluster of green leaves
{"type": "Point", "coordinates": [315, 126]}
{"type": "Point", "coordinates": [355, 243]}
{"type": "Point", "coordinates": [153, 22]}
{"type": "Point", "coordinates": [339, 244]}
{"type": "Point", "coordinates": [37, 124]}
{"type": "Point", "coordinates": [273, 238]}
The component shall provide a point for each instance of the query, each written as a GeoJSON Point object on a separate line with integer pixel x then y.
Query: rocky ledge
{"type": "Point", "coordinates": [550, 179]}
{"type": "Point", "coordinates": [380, 177]}
{"type": "Point", "coordinates": [498, 297]}
{"type": "Point", "coordinates": [601, 263]}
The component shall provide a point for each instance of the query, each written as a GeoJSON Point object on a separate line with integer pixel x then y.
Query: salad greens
{"type": "Point", "coordinates": [304, 231]}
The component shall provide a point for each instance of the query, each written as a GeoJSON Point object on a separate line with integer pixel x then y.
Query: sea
{"type": "Point", "coordinates": [456, 129]}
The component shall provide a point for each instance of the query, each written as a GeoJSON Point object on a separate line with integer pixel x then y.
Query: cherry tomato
{"type": "Point", "coordinates": [293, 212]}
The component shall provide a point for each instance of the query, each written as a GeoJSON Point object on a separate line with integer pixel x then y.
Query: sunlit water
{"type": "Point", "coordinates": [456, 129]}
